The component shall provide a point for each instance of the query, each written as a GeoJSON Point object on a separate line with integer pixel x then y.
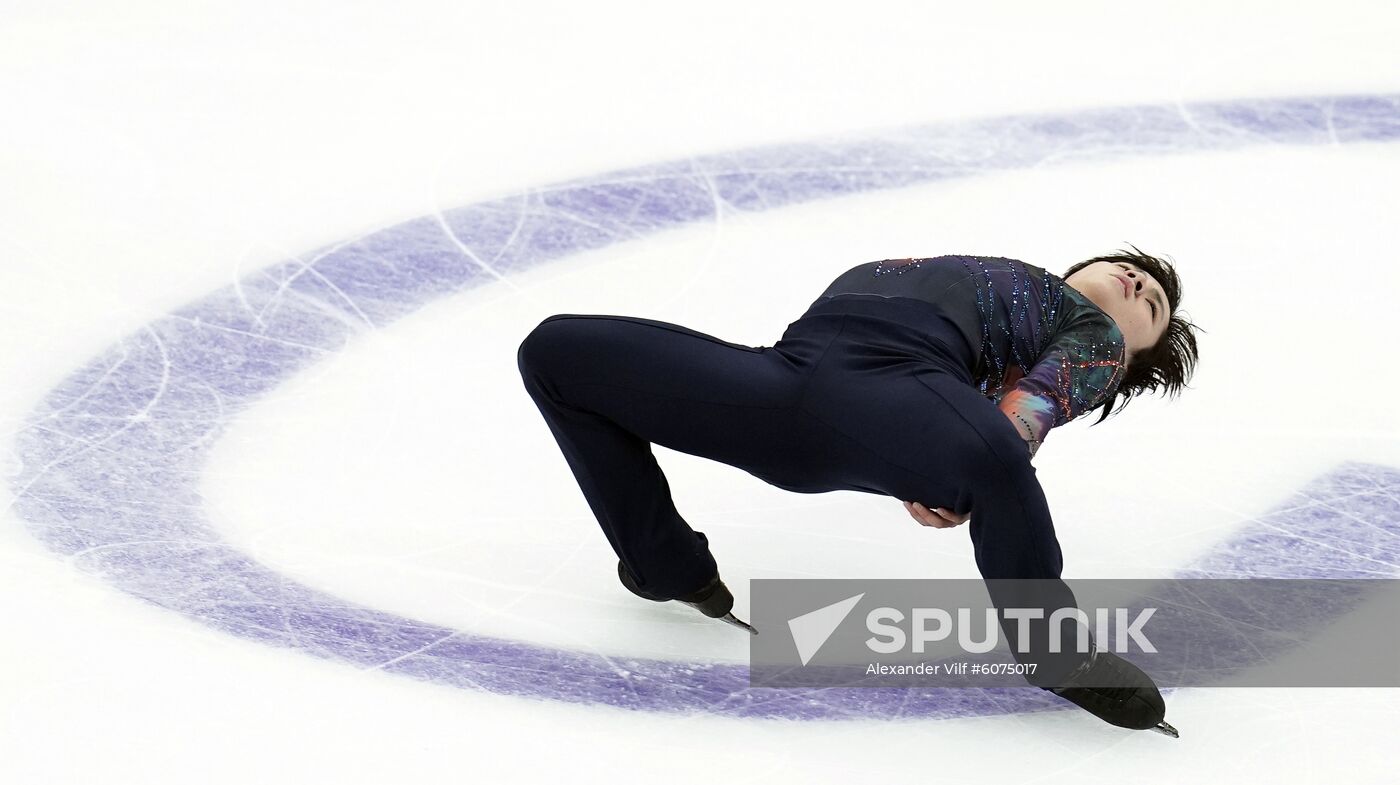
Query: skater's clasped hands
{"type": "Point", "coordinates": [938, 518]}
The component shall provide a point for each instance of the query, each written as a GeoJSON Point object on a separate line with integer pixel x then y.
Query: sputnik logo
{"type": "Point", "coordinates": [811, 630]}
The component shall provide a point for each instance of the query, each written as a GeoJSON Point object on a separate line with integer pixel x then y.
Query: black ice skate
{"type": "Point", "coordinates": [1117, 692]}
{"type": "Point", "coordinates": [714, 600]}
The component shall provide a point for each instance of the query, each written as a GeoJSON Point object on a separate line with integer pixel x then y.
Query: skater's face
{"type": "Point", "coordinates": [1128, 294]}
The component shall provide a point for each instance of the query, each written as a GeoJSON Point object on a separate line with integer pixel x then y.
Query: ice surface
{"type": "Point", "coordinates": [108, 471]}
{"type": "Point", "coordinates": [113, 456]}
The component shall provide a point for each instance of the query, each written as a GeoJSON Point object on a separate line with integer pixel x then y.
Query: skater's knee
{"type": "Point", "coordinates": [549, 338]}
{"type": "Point", "coordinates": [997, 463]}
{"type": "Point", "coordinates": [1011, 451]}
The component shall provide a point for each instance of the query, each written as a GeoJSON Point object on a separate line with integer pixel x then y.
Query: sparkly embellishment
{"type": "Point", "coordinates": [897, 266]}
{"type": "Point", "coordinates": [1045, 354]}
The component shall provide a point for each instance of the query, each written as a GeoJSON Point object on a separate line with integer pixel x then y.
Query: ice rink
{"type": "Point", "coordinates": [277, 508]}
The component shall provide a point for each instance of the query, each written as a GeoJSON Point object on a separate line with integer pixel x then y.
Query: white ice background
{"type": "Point", "coordinates": [150, 153]}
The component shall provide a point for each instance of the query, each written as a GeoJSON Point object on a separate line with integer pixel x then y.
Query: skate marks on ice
{"type": "Point", "coordinates": [109, 463]}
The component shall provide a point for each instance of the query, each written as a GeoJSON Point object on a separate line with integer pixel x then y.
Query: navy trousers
{"type": "Point", "coordinates": [862, 393]}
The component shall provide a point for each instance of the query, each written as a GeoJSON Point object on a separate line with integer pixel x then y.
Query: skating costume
{"type": "Point", "coordinates": [1045, 354]}
{"type": "Point", "coordinates": [923, 380]}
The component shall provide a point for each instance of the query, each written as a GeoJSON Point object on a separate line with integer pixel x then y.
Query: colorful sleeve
{"type": "Point", "coordinates": [1080, 368]}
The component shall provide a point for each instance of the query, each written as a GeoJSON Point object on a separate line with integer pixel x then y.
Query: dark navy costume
{"type": "Point", "coordinates": [930, 380]}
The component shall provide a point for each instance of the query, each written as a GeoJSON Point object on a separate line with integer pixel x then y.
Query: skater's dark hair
{"type": "Point", "coordinates": [1171, 361]}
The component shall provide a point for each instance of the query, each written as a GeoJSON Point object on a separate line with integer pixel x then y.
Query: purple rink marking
{"type": "Point", "coordinates": [113, 455]}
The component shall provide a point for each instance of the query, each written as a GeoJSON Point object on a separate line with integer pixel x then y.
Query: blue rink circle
{"type": "Point", "coordinates": [110, 461]}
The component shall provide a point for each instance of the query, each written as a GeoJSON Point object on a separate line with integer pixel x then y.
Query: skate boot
{"type": "Point", "coordinates": [714, 600]}
{"type": "Point", "coordinates": [1117, 692]}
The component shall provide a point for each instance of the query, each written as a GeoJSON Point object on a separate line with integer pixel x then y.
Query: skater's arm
{"type": "Point", "coordinates": [1033, 416]}
{"type": "Point", "coordinates": [1080, 368]}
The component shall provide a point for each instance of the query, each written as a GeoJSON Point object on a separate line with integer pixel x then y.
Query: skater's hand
{"type": "Point", "coordinates": [938, 518]}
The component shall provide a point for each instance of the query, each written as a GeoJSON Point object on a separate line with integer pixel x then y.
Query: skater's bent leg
{"type": "Point", "coordinates": [609, 386]}
{"type": "Point", "coordinates": [1012, 534]}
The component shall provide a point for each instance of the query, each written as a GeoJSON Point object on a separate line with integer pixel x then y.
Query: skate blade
{"type": "Point", "coordinates": [732, 619]}
{"type": "Point", "coordinates": [1166, 729]}
{"type": "Point", "coordinates": [728, 617]}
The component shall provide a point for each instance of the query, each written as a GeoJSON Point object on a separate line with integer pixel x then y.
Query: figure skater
{"type": "Point", "coordinates": [930, 380]}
